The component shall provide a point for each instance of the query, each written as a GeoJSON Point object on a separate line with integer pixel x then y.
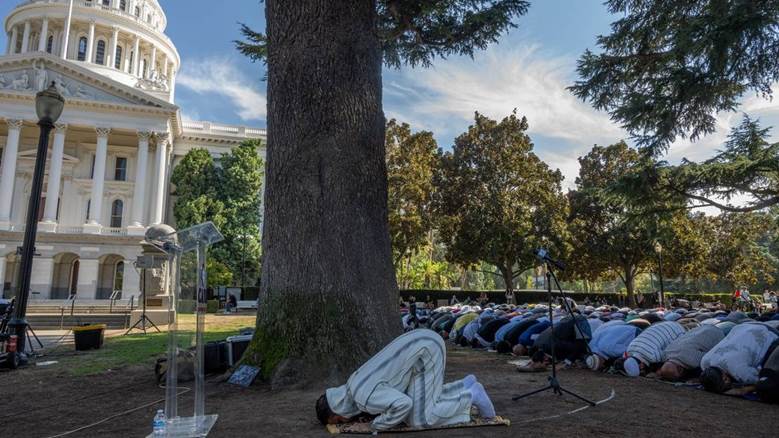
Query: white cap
{"type": "Point", "coordinates": [632, 368]}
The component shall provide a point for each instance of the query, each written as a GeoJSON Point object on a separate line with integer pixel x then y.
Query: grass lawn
{"type": "Point", "coordinates": [134, 349]}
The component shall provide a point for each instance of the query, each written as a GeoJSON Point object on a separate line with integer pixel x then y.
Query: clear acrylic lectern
{"type": "Point", "coordinates": [183, 335]}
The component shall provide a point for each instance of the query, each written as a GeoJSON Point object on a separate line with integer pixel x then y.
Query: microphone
{"type": "Point", "coordinates": [543, 255]}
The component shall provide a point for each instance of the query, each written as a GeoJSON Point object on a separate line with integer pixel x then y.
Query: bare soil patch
{"type": "Point", "coordinates": [51, 401]}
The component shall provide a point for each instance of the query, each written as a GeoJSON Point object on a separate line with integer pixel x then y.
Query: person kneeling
{"type": "Point", "coordinates": [404, 383]}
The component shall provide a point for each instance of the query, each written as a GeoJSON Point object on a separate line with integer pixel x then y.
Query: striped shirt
{"type": "Point", "coordinates": [404, 383]}
{"type": "Point", "coordinates": [649, 346]}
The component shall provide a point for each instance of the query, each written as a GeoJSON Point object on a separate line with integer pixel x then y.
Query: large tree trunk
{"type": "Point", "coordinates": [630, 282]}
{"type": "Point", "coordinates": [329, 294]}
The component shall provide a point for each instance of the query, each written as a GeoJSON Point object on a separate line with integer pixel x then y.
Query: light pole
{"type": "Point", "coordinates": [659, 251]}
{"type": "Point", "coordinates": [48, 106]}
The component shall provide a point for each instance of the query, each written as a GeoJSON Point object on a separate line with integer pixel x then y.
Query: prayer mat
{"type": "Point", "coordinates": [365, 428]}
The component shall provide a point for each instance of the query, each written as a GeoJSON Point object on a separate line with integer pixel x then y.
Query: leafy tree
{"type": "Point", "coordinates": [736, 254]}
{"type": "Point", "coordinates": [241, 192]}
{"type": "Point", "coordinates": [608, 238]}
{"type": "Point", "coordinates": [746, 169]}
{"type": "Point", "coordinates": [328, 277]}
{"type": "Point", "coordinates": [196, 179]}
{"type": "Point", "coordinates": [411, 160]}
{"type": "Point", "coordinates": [669, 66]}
{"type": "Point", "coordinates": [498, 200]}
{"type": "Point", "coordinates": [229, 195]}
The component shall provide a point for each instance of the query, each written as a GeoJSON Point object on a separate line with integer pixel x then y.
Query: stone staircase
{"type": "Point", "coordinates": [56, 322]}
{"type": "Point", "coordinates": [61, 315]}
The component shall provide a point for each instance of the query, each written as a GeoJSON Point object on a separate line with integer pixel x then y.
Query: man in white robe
{"type": "Point", "coordinates": [404, 383]}
{"type": "Point", "coordinates": [737, 358]}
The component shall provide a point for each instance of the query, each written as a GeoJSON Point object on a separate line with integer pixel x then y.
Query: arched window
{"type": "Point", "coordinates": [89, 205]}
{"type": "Point", "coordinates": [50, 44]}
{"type": "Point", "coordinates": [137, 11]}
{"type": "Point", "coordinates": [100, 54]}
{"type": "Point", "coordinates": [123, 5]}
{"type": "Point", "coordinates": [131, 62]}
{"type": "Point", "coordinates": [82, 49]}
{"type": "Point", "coordinates": [118, 61]}
{"type": "Point", "coordinates": [143, 68]}
{"type": "Point", "coordinates": [117, 208]}
{"type": "Point", "coordinates": [119, 276]}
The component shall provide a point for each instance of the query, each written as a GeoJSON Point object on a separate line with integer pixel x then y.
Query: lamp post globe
{"type": "Point", "coordinates": [49, 104]}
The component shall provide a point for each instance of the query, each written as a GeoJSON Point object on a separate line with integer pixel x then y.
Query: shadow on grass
{"type": "Point", "coordinates": [134, 349]}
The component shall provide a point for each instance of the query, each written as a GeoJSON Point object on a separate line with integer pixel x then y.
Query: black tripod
{"type": "Point", "coordinates": [144, 319]}
{"type": "Point", "coordinates": [554, 384]}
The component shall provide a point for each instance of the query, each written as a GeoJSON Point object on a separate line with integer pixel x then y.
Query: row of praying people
{"type": "Point", "coordinates": [723, 349]}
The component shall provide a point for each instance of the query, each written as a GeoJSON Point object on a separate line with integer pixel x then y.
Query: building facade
{"type": "Point", "coordinates": [112, 151]}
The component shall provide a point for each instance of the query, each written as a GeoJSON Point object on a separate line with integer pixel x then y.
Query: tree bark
{"type": "Point", "coordinates": [630, 282]}
{"type": "Point", "coordinates": [329, 292]}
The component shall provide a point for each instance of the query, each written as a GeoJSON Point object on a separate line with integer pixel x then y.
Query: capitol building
{"type": "Point", "coordinates": [112, 151]}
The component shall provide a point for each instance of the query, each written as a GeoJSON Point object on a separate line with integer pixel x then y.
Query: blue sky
{"type": "Point", "coordinates": [528, 70]}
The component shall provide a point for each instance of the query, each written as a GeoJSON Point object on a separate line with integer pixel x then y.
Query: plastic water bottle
{"type": "Point", "coordinates": [158, 426]}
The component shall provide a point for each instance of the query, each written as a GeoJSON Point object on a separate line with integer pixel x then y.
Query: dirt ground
{"type": "Point", "coordinates": [48, 403]}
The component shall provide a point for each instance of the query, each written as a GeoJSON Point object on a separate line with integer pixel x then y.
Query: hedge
{"type": "Point", "coordinates": [538, 296]}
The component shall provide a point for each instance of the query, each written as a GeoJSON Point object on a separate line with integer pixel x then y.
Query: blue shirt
{"type": "Point", "coordinates": [527, 339]}
{"type": "Point", "coordinates": [501, 333]}
{"type": "Point", "coordinates": [611, 341]}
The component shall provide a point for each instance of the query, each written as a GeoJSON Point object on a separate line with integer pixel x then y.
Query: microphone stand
{"type": "Point", "coordinates": [554, 383]}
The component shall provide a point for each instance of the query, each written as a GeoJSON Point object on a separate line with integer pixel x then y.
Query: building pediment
{"type": "Point", "coordinates": [30, 73]}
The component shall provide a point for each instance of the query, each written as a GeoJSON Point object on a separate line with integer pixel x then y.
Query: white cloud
{"type": "Point", "coordinates": [494, 83]}
{"type": "Point", "coordinates": [217, 76]}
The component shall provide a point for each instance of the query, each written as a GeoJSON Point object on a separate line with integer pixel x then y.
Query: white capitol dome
{"type": "Point", "coordinates": [121, 39]}
{"type": "Point", "coordinates": [107, 175]}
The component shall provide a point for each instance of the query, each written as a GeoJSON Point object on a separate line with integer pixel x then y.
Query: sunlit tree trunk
{"type": "Point", "coordinates": [329, 290]}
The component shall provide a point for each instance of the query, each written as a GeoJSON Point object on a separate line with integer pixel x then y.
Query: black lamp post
{"type": "Point", "coordinates": [48, 105]}
{"type": "Point", "coordinates": [659, 251]}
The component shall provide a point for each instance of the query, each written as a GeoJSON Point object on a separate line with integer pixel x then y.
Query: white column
{"type": "Point", "coordinates": [67, 31]}
{"type": "Point", "coordinates": [87, 278]}
{"type": "Point", "coordinates": [26, 37]}
{"type": "Point", "coordinates": [44, 35]}
{"type": "Point", "coordinates": [136, 57]}
{"type": "Point", "coordinates": [91, 43]}
{"type": "Point", "coordinates": [8, 177]}
{"type": "Point", "coordinates": [55, 179]}
{"type": "Point", "coordinates": [3, 261]}
{"type": "Point", "coordinates": [41, 278]}
{"type": "Point", "coordinates": [153, 66]}
{"type": "Point", "coordinates": [14, 39]}
{"type": "Point", "coordinates": [98, 182]}
{"type": "Point", "coordinates": [139, 193]}
{"type": "Point", "coordinates": [161, 187]}
{"type": "Point", "coordinates": [112, 52]}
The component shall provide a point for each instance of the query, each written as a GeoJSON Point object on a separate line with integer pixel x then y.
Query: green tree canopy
{"type": "Point", "coordinates": [497, 200]}
{"type": "Point", "coordinates": [608, 237]}
{"type": "Point", "coordinates": [747, 169]}
{"type": "Point", "coordinates": [411, 161]}
{"type": "Point", "coordinates": [229, 194]}
{"type": "Point", "coordinates": [736, 254]}
{"type": "Point", "coordinates": [669, 66]}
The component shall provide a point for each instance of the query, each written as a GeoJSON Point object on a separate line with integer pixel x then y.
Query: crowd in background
{"type": "Point", "coordinates": [725, 350]}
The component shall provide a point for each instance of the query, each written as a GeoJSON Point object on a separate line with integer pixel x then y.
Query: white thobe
{"type": "Point", "coordinates": [404, 382]}
{"type": "Point", "coordinates": [742, 351]}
